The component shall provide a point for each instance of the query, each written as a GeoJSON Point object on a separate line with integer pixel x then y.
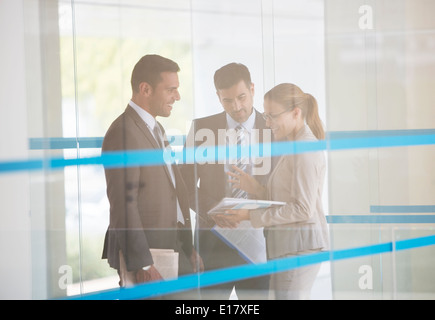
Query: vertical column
{"type": "Point", "coordinates": [44, 109]}
{"type": "Point", "coordinates": [267, 25]}
{"type": "Point", "coordinates": [56, 258]}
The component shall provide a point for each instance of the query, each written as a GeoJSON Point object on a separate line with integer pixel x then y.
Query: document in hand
{"type": "Point", "coordinates": [166, 262]}
{"type": "Point", "coordinates": [247, 240]}
{"type": "Point", "coordinates": [238, 203]}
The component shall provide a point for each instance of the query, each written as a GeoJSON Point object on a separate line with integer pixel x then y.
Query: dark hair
{"type": "Point", "coordinates": [231, 74]}
{"type": "Point", "coordinates": [149, 68]}
{"type": "Point", "coordinates": [290, 96]}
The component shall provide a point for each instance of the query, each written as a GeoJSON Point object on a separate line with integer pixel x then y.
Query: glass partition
{"type": "Point", "coordinates": [368, 64]}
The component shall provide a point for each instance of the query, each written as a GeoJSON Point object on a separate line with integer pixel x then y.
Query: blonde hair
{"type": "Point", "coordinates": [291, 96]}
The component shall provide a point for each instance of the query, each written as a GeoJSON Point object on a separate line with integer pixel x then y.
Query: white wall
{"type": "Point", "coordinates": [15, 266]}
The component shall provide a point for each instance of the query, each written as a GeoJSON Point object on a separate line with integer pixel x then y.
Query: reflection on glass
{"type": "Point", "coordinates": [67, 77]}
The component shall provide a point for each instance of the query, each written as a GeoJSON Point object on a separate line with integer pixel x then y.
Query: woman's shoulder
{"type": "Point", "coordinates": [305, 134]}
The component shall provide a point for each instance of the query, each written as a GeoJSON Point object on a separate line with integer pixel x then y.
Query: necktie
{"type": "Point", "coordinates": [242, 161]}
{"type": "Point", "coordinates": [159, 138]}
{"type": "Point", "coordinates": [158, 135]}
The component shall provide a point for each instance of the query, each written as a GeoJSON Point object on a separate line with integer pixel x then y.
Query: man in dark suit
{"type": "Point", "coordinates": [235, 92]}
{"type": "Point", "coordinates": [148, 204]}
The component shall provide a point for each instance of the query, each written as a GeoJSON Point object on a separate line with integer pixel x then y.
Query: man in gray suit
{"type": "Point", "coordinates": [235, 92]}
{"type": "Point", "coordinates": [149, 205]}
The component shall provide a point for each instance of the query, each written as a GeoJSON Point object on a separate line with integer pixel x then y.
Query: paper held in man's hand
{"type": "Point", "coordinates": [237, 203]}
{"type": "Point", "coordinates": [166, 262]}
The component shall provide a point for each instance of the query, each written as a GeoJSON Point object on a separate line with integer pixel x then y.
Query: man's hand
{"type": "Point", "coordinates": [148, 275]}
{"type": "Point", "coordinates": [196, 261]}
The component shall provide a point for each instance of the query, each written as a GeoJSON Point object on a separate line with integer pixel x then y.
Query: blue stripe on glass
{"type": "Point", "coordinates": [403, 209]}
{"type": "Point", "coordinates": [178, 140]}
{"type": "Point", "coordinates": [335, 219]}
{"type": "Point", "coordinates": [277, 149]}
{"type": "Point", "coordinates": [154, 289]}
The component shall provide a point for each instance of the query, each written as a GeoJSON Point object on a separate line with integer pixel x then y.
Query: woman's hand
{"type": "Point", "coordinates": [241, 180]}
{"type": "Point", "coordinates": [231, 218]}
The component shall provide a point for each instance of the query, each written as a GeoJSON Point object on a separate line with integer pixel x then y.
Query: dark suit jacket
{"type": "Point", "coordinates": [212, 177]}
{"type": "Point", "coordinates": [143, 211]}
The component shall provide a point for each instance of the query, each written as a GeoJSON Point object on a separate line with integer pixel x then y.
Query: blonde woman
{"type": "Point", "coordinates": [300, 226]}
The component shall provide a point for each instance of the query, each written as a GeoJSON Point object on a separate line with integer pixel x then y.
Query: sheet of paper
{"type": "Point", "coordinates": [166, 262]}
{"type": "Point", "coordinates": [247, 240]}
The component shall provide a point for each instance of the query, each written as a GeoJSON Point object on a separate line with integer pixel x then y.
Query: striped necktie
{"type": "Point", "coordinates": [242, 161]}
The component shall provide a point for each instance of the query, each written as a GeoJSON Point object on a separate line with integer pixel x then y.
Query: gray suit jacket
{"type": "Point", "coordinates": [211, 176]}
{"type": "Point", "coordinates": [143, 211]}
{"type": "Point", "coordinates": [301, 224]}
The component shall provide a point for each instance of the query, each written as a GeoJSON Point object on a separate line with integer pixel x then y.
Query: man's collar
{"type": "Point", "coordinates": [149, 120]}
{"type": "Point", "coordinates": [248, 124]}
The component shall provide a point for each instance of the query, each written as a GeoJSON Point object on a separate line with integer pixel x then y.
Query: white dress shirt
{"type": "Point", "coordinates": [151, 122]}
